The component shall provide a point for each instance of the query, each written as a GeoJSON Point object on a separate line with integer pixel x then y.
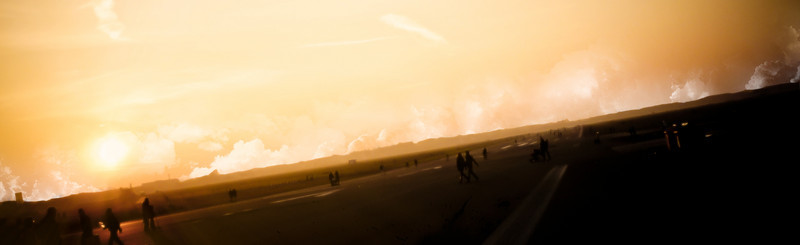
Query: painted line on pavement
{"type": "Point", "coordinates": [309, 195]}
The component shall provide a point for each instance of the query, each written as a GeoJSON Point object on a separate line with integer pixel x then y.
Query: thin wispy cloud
{"type": "Point", "coordinates": [347, 43]}
{"type": "Point", "coordinates": [404, 23]}
{"type": "Point", "coordinates": [108, 22]}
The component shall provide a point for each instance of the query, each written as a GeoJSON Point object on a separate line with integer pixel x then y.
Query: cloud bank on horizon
{"type": "Point", "coordinates": [259, 84]}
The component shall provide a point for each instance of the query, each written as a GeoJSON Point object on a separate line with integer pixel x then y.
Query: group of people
{"type": "Point", "coordinates": [48, 231]}
{"type": "Point", "coordinates": [232, 194]}
{"type": "Point", "coordinates": [543, 151]}
{"type": "Point", "coordinates": [110, 223]}
{"type": "Point", "coordinates": [334, 178]}
{"type": "Point", "coordinates": [464, 164]}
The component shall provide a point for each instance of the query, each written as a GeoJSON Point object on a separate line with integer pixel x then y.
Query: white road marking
{"type": "Point", "coordinates": [519, 226]}
{"type": "Point", "coordinates": [309, 195]}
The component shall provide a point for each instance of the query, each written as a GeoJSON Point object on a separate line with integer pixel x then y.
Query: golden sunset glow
{"type": "Point", "coordinates": [110, 152]}
{"type": "Point", "coordinates": [189, 87]}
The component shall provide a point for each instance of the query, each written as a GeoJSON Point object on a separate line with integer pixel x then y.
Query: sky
{"type": "Point", "coordinates": [111, 93]}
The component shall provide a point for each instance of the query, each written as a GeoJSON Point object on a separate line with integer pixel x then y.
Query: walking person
{"type": "Point", "coordinates": [112, 224]}
{"type": "Point", "coordinates": [330, 178]}
{"type": "Point", "coordinates": [484, 153]}
{"type": "Point", "coordinates": [469, 160]}
{"type": "Point", "coordinates": [460, 164]}
{"type": "Point", "coordinates": [87, 237]}
{"type": "Point", "coordinates": [545, 149]}
{"type": "Point", "coordinates": [336, 174]}
{"type": "Point", "coordinates": [146, 215]}
{"type": "Point", "coordinates": [47, 228]}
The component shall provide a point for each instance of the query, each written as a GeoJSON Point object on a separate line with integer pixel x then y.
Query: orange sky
{"type": "Point", "coordinates": [185, 87]}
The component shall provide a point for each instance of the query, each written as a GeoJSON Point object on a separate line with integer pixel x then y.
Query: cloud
{"type": "Point", "coordinates": [693, 89]}
{"type": "Point", "coordinates": [183, 133]}
{"type": "Point", "coordinates": [108, 22]}
{"type": "Point", "coordinates": [210, 146]}
{"type": "Point", "coordinates": [157, 150]}
{"type": "Point", "coordinates": [404, 23]}
{"type": "Point", "coordinates": [9, 183]}
{"type": "Point", "coordinates": [779, 71]}
{"type": "Point", "coordinates": [796, 77]}
{"type": "Point", "coordinates": [347, 43]}
{"type": "Point", "coordinates": [57, 182]}
{"type": "Point", "coordinates": [245, 155]}
{"type": "Point", "coordinates": [790, 45]}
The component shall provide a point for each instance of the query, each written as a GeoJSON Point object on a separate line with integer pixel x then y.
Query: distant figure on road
{"type": "Point", "coordinates": [330, 177]}
{"type": "Point", "coordinates": [336, 175]}
{"type": "Point", "coordinates": [544, 147]}
{"type": "Point", "coordinates": [148, 215]}
{"type": "Point", "coordinates": [469, 160]}
{"type": "Point", "coordinates": [232, 194]}
{"type": "Point", "coordinates": [381, 168]}
{"type": "Point", "coordinates": [415, 163]}
{"type": "Point", "coordinates": [460, 164]}
{"type": "Point", "coordinates": [535, 155]}
{"type": "Point", "coordinates": [47, 229]}
{"type": "Point", "coordinates": [484, 153]}
{"type": "Point", "coordinates": [112, 224]}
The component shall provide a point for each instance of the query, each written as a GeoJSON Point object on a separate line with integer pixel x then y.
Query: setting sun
{"type": "Point", "coordinates": [110, 151]}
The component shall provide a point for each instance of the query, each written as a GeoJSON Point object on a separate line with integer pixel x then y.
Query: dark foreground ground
{"type": "Point", "coordinates": [734, 184]}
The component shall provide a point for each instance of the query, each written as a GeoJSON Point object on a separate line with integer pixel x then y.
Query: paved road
{"type": "Point", "coordinates": [618, 191]}
{"type": "Point", "coordinates": [404, 206]}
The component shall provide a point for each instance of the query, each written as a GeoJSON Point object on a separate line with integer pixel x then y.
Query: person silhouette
{"type": "Point", "coordinates": [415, 163]}
{"type": "Point", "coordinates": [151, 212]}
{"type": "Point", "coordinates": [47, 229]}
{"type": "Point", "coordinates": [336, 175]}
{"type": "Point", "coordinates": [330, 177]}
{"type": "Point", "coordinates": [112, 224]}
{"type": "Point", "coordinates": [544, 148]}
{"type": "Point", "coordinates": [146, 215]}
{"type": "Point", "coordinates": [469, 160]}
{"type": "Point", "coordinates": [86, 227]}
{"type": "Point", "coordinates": [484, 153]}
{"type": "Point", "coordinates": [460, 165]}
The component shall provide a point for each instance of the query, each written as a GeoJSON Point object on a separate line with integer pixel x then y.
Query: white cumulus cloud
{"type": "Point", "coordinates": [245, 155]}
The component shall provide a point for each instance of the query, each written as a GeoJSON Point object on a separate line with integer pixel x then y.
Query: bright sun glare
{"type": "Point", "coordinates": [111, 151]}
